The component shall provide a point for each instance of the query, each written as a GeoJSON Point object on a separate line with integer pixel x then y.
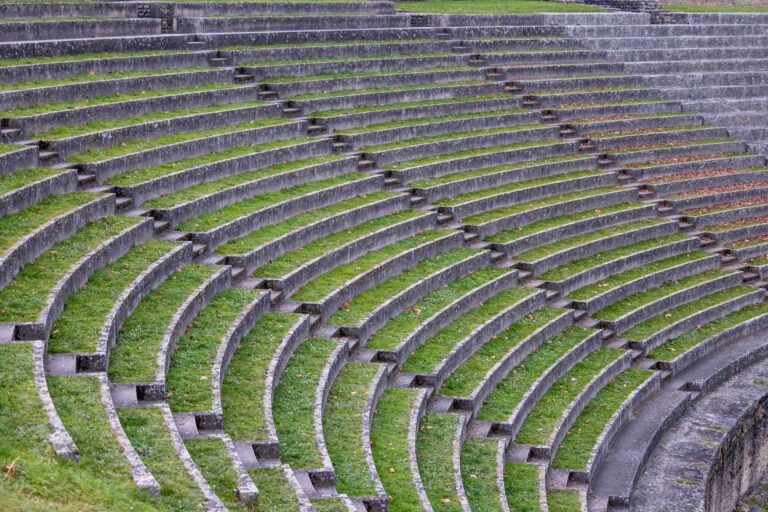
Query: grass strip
{"type": "Point", "coordinates": [76, 79]}
{"type": "Point", "coordinates": [434, 453]}
{"type": "Point", "coordinates": [478, 472]}
{"type": "Point", "coordinates": [277, 494]}
{"type": "Point", "coordinates": [559, 500]}
{"type": "Point", "coordinates": [16, 180]}
{"type": "Point", "coordinates": [521, 485]}
{"type": "Point", "coordinates": [310, 60]}
{"type": "Point", "coordinates": [369, 90]}
{"type": "Point", "coordinates": [406, 104]}
{"type": "Point", "coordinates": [329, 505]}
{"type": "Point", "coordinates": [212, 458]}
{"type": "Point", "coordinates": [446, 137]}
{"type": "Point", "coordinates": [287, 79]}
{"type": "Point", "coordinates": [134, 358]}
{"type": "Point", "coordinates": [715, 8]}
{"type": "Point", "coordinates": [414, 121]}
{"type": "Point", "coordinates": [25, 61]}
{"type": "Point", "coordinates": [493, 7]}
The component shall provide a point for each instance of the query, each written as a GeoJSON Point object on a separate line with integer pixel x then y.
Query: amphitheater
{"type": "Point", "coordinates": [366, 256]}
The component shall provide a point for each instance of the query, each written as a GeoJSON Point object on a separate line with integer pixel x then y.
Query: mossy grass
{"type": "Point", "coordinates": [15, 226]}
{"type": "Point", "coordinates": [144, 174]}
{"type": "Point", "coordinates": [16, 180]}
{"type": "Point", "coordinates": [196, 191]}
{"type": "Point", "coordinates": [148, 433]}
{"type": "Point", "coordinates": [576, 266]}
{"type": "Point", "coordinates": [406, 104]}
{"type": "Point", "coordinates": [538, 253]}
{"type": "Point", "coordinates": [310, 60]}
{"type": "Point", "coordinates": [447, 136]}
{"type": "Point", "coordinates": [188, 383]}
{"type": "Point", "coordinates": [513, 187]}
{"type": "Point", "coordinates": [434, 453]}
{"type": "Point", "coordinates": [413, 121]}
{"type": "Point", "coordinates": [138, 145]}
{"type": "Point", "coordinates": [503, 400]}
{"type": "Point", "coordinates": [428, 356]}
{"type": "Point", "coordinates": [75, 79]}
{"type": "Point", "coordinates": [242, 393]}
{"type": "Point", "coordinates": [541, 421]}
{"type": "Point", "coordinates": [715, 8]}
{"type": "Point", "coordinates": [394, 88]}
{"type": "Point", "coordinates": [389, 444]}
{"type": "Point", "coordinates": [286, 79]}
{"type": "Point", "coordinates": [668, 145]}
{"type": "Point", "coordinates": [78, 327]}
{"type": "Point", "coordinates": [576, 448]}
{"type": "Point", "coordinates": [320, 287]}
{"type": "Point", "coordinates": [24, 61]}
{"type": "Point", "coordinates": [640, 299]}
{"type": "Point", "coordinates": [616, 280]}
{"type": "Point", "coordinates": [290, 261]}
{"type": "Point", "coordinates": [467, 377]}
{"type": "Point", "coordinates": [671, 349]}
{"type": "Point", "coordinates": [231, 212]}
{"type": "Point", "coordinates": [492, 7]}
{"type": "Point", "coordinates": [671, 316]}
{"type": "Point", "coordinates": [24, 298]}
{"type": "Point", "coordinates": [342, 426]}
{"type": "Point", "coordinates": [322, 43]}
{"type": "Point", "coordinates": [7, 148]}
{"type": "Point", "coordinates": [513, 234]}
{"type": "Point", "coordinates": [561, 500]}
{"type": "Point", "coordinates": [294, 400]}
{"type": "Point", "coordinates": [271, 232]}
{"type": "Point", "coordinates": [277, 494]}
{"type": "Point", "coordinates": [212, 459]}
{"type": "Point", "coordinates": [749, 242]}
{"type": "Point", "coordinates": [357, 309]}
{"type": "Point", "coordinates": [739, 223]}
{"type": "Point", "coordinates": [400, 326]}
{"type": "Point", "coordinates": [521, 485]}
{"type": "Point", "coordinates": [329, 505]}
{"type": "Point", "coordinates": [478, 473]}
{"type": "Point", "coordinates": [134, 358]}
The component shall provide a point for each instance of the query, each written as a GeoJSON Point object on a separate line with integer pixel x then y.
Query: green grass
{"type": "Point", "coordinates": [25, 297]}
{"type": "Point", "coordinates": [309, 60]}
{"type": "Point", "coordinates": [188, 382]}
{"type": "Point", "coordinates": [242, 393]}
{"type": "Point", "coordinates": [15, 226]}
{"type": "Point", "coordinates": [446, 136]}
{"type": "Point", "coordinates": [23, 61]}
{"type": "Point", "coordinates": [46, 82]}
{"type": "Point", "coordinates": [576, 266]}
{"type": "Point", "coordinates": [389, 444]}
{"type": "Point", "coordinates": [478, 472]}
{"type": "Point", "coordinates": [401, 123]}
{"type": "Point", "coordinates": [323, 285]}
{"type": "Point", "coordinates": [428, 356]}
{"type": "Point", "coordinates": [216, 218]}
{"type": "Point", "coordinates": [676, 346]}
{"type": "Point", "coordinates": [576, 448]}
{"type": "Point", "coordinates": [16, 180]}
{"type": "Point", "coordinates": [329, 505]}
{"type": "Point", "coordinates": [271, 232]}
{"type": "Point", "coordinates": [212, 458]}
{"type": "Point", "coordinates": [78, 327]}
{"type": "Point", "coordinates": [405, 104]}
{"type": "Point", "coordinates": [640, 299]}
{"type": "Point", "coordinates": [434, 453]}
{"type": "Point", "coordinates": [543, 418]}
{"type": "Point", "coordinates": [134, 146]}
{"type": "Point", "coordinates": [342, 426]}
{"type": "Point", "coordinates": [399, 327]}
{"type": "Point", "coordinates": [291, 260]}
{"type": "Point", "coordinates": [585, 238]}
{"type": "Point", "coordinates": [294, 400]}
{"type": "Point", "coordinates": [517, 233]}
{"type": "Point", "coordinates": [616, 280]}
{"type": "Point", "coordinates": [146, 429]}
{"type": "Point", "coordinates": [521, 483]}
{"type": "Point", "coordinates": [196, 191]}
{"type": "Point", "coordinates": [467, 377]}
{"type": "Point", "coordinates": [563, 501]}
{"type": "Point", "coordinates": [144, 174]}
{"type": "Point", "coordinates": [277, 494]}
{"type": "Point", "coordinates": [285, 79]}
{"type": "Point", "coordinates": [134, 358]}
{"type": "Point", "coordinates": [501, 403]}
{"type": "Point", "coordinates": [369, 90]}
{"type": "Point", "coordinates": [355, 311]}
{"type": "Point", "coordinates": [653, 325]}
{"type": "Point", "coordinates": [715, 8]}
{"type": "Point", "coordinates": [493, 7]}
{"type": "Point", "coordinates": [7, 148]}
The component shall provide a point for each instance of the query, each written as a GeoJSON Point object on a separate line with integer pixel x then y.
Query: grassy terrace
{"type": "Point", "coordinates": [492, 7]}
{"type": "Point", "coordinates": [521, 483]}
{"type": "Point", "coordinates": [354, 74]}
{"type": "Point", "coordinates": [434, 453]}
{"type": "Point", "coordinates": [513, 187]}
{"type": "Point", "coordinates": [653, 325]}
{"type": "Point", "coordinates": [188, 383]}
{"type": "Point", "coordinates": [478, 472]}
{"type": "Point", "coordinates": [467, 377]}
{"type": "Point", "coordinates": [7, 148]}
{"type": "Point", "coordinates": [715, 8]}
{"type": "Point", "coordinates": [231, 212]}
{"type": "Point", "coordinates": [242, 393]}
{"type": "Point", "coordinates": [414, 121]}
{"type": "Point", "coordinates": [345, 92]}
{"type": "Point", "coordinates": [356, 310]}
{"type": "Point", "coordinates": [427, 357]}
{"type": "Point", "coordinates": [617, 280]}
{"type": "Point", "coordinates": [78, 327]}
{"type": "Point", "coordinates": [322, 286]}
{"type": "Point", "coordinates": [501, 403]}
{"type": "Point", "coordinates": [574, 267]}
{"type": "Point", "coordinates": [294, 400]}
{"type": "Point", "coordinates": [676, 346]}
{"type": "Point", "coordinates": [146, 429]}
{"type": "Point", "coordinates": [721, 207]}
{"type": "Point", "coordinates": [342, 426]}
{"type": "Point", "coordinates": [447, 136]}
{"type": "Point", "coordinates": [322, 43]}
{"type": "Point", "coordinates": [740, 223]}
{"type": "Point", "coordinates": [329, 505]}
{"type": "Point", "coordinates": [25, 297]}
{"type": "Point", "coordinates": [134, 358]}
{"type": "Point", "coordinates": [638, 300]}
{"type": "Point", "coordinates": [389, 444]}
{"type": "Point", "coordinates": [24, 61]}
{"type": "Point", "coordinates": [279, 496]}
{"type": "Point", "coordinates": [271, 232]}
{"type": "Point", "coordinates": [17, 225]}
{"type": "Point", "coordinates": [76, 79]}
{"type": "Point", "coordinates": [576, 448]}
{"type": "Point", "coordinates": [310, 60]}
{"type": "Point", "coordinates": [399, 327]}
{"type": "Point", "coordinates": [540, 423]}
{"type": "Point", "coordinates": [212, 458]}
{"type": "Point", "coordinates": [16, 180]}
{"type": "Point", "coordinates": [563, 501]}
{"type": "Point", "coordinates": [406, 104]}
